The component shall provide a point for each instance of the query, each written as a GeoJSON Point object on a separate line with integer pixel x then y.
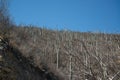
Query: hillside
{"type": "Point", "coordinates": [34, 53]}
{"type": "Point", "coordinates": [14, 66]}
{"type": "Point", "coordinates": [72, 55]}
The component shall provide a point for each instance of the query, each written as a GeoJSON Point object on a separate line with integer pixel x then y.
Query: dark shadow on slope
{"type": "Point", "coordinates": [14, 66]}
{"type": "Point", "coordinates": [27, 65]}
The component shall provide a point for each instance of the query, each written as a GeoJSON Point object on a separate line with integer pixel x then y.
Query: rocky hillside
{"type": "Point", "coordinates": [14, 66]}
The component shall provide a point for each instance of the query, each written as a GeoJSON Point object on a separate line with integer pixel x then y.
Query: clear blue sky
{"type": "Point", "coordinates": [75, 15]}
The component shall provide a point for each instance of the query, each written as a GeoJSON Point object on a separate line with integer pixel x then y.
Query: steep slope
{"type": "Point", "coordinates": [14, 66]}
{"type": "Point", "coordinates": [75, 55]}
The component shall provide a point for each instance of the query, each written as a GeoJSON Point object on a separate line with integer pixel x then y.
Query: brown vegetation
{"type": "Point", "coordinates": [73, 55]}
{"type": "Point", "coordinates": [14, 66]}
{"type": "Point", "coordinates": [69, 55]}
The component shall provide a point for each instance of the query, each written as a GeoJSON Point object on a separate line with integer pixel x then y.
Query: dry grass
{"type": "Point", "coordinates": [92, 55]}
{"type": "Point", "coordinates": [72, 55]}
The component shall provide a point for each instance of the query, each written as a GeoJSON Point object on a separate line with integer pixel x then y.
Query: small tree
{"type": "Point", "coordinates": [4, 17]}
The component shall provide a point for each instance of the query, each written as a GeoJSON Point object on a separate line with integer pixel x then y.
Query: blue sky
{"type": "Point", "coordinates": [75, 15]}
